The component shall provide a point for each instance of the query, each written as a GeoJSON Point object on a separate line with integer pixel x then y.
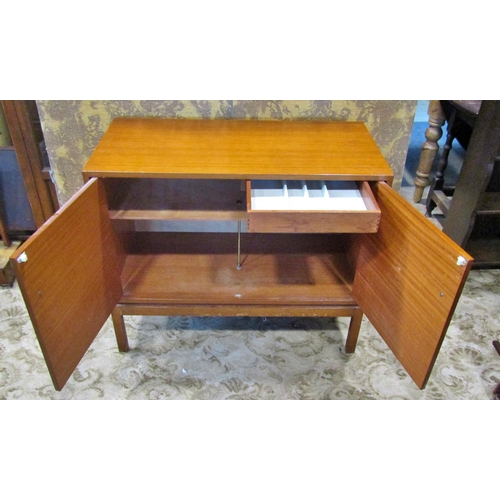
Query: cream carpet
{"type": "Point", "coordinates": [256, 358]}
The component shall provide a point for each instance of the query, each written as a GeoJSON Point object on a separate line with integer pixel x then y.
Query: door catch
{"type": "Point", "coordinates": [22, 258]}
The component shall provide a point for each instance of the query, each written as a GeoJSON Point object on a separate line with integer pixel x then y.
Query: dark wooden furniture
{"type": "Point", "coordinates": [473, 212]}
{"type": "Point", "coordinates": [496, 391]}
{"type": "Point", "coordinates": [430, 148]}
{"type": "Point", "coordinates": [110, 250]}
{"type": "Point", "coordinates": [26, 134]}
{"type": "Point", "coordinates": [27, 193]}
{"type": "Point", "coordinates": [6, 273]}
{"type": "Point", "coordinates": [3, 231]}
{"type": "Point", "coordinates": [461, 117]}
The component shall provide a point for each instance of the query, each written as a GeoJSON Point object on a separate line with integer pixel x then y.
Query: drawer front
{"type": "Point", "coordinates": [311, 207]}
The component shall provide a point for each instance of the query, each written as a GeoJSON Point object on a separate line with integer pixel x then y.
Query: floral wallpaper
{"type": "Point", "coordinates": [5, 139]}
{"type": "Point", "coordinates": [72, 129]}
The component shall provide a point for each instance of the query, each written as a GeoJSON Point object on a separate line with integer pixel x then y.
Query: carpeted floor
{"type": "Point", "coordinates": [260, 358]}
{"type": "Point", "coordinates": [226, 358]}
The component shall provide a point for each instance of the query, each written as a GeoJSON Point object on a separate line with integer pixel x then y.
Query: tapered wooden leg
{"type": "Point", "coordinates": [352, 334]}
{"type": "Point", "coordinates": [120, 332]}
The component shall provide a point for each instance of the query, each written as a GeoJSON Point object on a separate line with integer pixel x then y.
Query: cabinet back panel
{"type": "Point", "coordinates": [185, 199]}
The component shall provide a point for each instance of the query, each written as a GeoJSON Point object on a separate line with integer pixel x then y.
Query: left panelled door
{"type": "Point", "coordinates": [69, 275]}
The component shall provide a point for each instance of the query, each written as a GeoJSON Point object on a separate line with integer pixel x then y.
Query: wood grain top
{"type": "Point", "coordinates": [237, 149]}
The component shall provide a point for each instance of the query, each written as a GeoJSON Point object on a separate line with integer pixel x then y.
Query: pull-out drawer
{"type": "Point", "coordinates": [311, 207]}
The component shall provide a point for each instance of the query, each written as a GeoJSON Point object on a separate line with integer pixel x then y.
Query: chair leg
{"type": "Point", "coordinates": [429, 148]}
{"type": "Point", "coordinates": [438, 181]}
{"type": "Point", "coordinates": [496, 391]}
{"type": "Point", "coordinates": [3, 233]}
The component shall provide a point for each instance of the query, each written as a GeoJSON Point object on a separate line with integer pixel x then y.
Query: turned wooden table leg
{"type": "Point", "coordinates": [438, 181]}
{"type": "Point", "coordinates": [429, 148]}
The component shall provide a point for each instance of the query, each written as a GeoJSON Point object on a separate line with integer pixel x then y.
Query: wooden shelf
{"type": "Point", "coordinates": [490, 204]}
{"type": "Point", "coordinates": [200, 268]}
{"type": "Point", "coordinates": [175, 199]}
{"type": "Point", "coordinates": [473, 220]}
{"type": "Point", "coordinates": [486, 252]}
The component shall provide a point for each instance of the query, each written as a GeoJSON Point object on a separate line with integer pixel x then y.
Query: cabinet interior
{"type": "Point", "coordinates": [218, 205]}
{"type": "Point", "coordinates": [170, 263]}
{"type": "Point", "coordinates": [201, 268]}
{"type": "Point", "coordinates": [175, 199]}
{"type": "Point", "coordinates": [221, 199]}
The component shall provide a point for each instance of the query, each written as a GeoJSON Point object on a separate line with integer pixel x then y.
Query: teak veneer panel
{"type": "Point", "coordinates": [71, 285]}
{"type": "Point", "coordinates": [237, 149]}
{"type": "Point", "coordinates": [408, 280]}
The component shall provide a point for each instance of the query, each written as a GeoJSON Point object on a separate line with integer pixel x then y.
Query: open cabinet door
{"type": "Point", "coordinates": [409, 277]}
{"type": "Point", "coordinates": [69, 275]}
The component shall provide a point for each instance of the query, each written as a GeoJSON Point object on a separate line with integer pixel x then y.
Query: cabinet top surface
{"type": "Point", "coordinates": [237, 149]}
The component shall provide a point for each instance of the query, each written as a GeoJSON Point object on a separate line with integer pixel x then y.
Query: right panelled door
{"type": "Point", "coordinates": [409, 277]}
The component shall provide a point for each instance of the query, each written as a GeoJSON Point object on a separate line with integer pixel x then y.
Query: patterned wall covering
{"type": "Point", "coordinates": [5, 139]}
{"type": "Point", "coordinates": [72, 129]}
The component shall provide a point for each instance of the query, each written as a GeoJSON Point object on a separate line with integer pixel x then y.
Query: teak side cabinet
{"type": "Point", "coordinates": [112, 249]}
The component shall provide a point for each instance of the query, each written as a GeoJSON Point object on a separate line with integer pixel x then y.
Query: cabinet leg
{"type": "Point", "coordinates": [120, 332]}
{"type": "Point", "coordinates": [352, 334]}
